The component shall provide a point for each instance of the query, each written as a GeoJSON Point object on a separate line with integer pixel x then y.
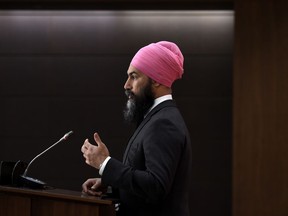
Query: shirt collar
{"type": "Point", "coordinates": [159, 100]}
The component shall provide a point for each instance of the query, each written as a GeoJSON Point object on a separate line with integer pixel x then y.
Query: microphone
{"type": "Point", "coordinates": [36, 183]}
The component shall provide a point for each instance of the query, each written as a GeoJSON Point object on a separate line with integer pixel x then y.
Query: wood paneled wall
{"type": "Point", "coordinates": [65, 70]}
{"type": "Point", "coordinates": [260, 110]}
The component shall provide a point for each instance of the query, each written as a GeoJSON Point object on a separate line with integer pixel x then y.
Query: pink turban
{"type": "Point", "coordinates": [162, 62]}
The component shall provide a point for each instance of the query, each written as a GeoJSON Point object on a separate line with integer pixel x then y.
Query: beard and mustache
{"type": "Point", "coordinates": [138, 105]}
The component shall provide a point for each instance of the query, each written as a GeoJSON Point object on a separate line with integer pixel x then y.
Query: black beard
{"type": "Point", "coordinates": [138, 105]}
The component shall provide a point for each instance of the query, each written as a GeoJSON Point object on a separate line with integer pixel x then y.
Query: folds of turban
{"type": "Point", "coordinates": [162, 62]}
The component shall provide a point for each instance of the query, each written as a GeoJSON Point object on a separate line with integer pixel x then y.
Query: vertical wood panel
{"type": "Point", "coordinates": [8, 203]}
{"type": "Point", "coordinates": [260, 184]}
{"type": "Point", "coordinates": [48, 207]}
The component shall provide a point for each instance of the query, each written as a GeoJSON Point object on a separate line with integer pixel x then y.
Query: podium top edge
{"type": "Point", "coordinates": [56, 193]}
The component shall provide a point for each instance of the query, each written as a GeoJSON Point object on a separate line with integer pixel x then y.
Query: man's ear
{"type": "Point", "coordinates": [155, 84]}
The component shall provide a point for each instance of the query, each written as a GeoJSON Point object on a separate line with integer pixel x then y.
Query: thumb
{"type": "Point", "coordinates": [98, 139]}
{"type": "Point", "coordinates": [95, 186]}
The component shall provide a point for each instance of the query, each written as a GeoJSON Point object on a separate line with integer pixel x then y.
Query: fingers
{"type": "Point", "coordinates": [94, 190]}
{"type": "Point", "coordinates": [86, 145]}
{"type": "Point", "coordinates": [96, 186]}
{"type": "Point", "coordinates": [98, 140]}
{"type": "Point", "coordinates": [93, 193]}
{"type": "Point", "coordinates": [94, 154]}
{"type": "Point", "coordinates": [85, 186]}
{"type": "Point", "coordinates": [91, 187]}
{"type": "Point", "coordinates": [88, 183]}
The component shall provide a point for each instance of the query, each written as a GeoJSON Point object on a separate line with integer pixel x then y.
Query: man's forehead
{"type": "Point", "coordinates": [132, 70]}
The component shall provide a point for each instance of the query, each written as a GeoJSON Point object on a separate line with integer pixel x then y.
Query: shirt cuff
{"type": "Point", "coordinates": [102, 166]}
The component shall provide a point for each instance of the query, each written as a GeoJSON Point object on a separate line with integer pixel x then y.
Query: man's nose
{"type": "Point", "coordinates": [127, 85]}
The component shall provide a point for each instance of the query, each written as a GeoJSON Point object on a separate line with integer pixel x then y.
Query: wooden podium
{"type": "Point", "coordinates": [51, 202]}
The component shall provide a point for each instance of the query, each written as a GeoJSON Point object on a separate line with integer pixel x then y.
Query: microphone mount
{"type": "Point", "coordinates": [36, 183]}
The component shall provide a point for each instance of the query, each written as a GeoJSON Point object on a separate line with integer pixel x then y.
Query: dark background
{"type": "Point", "coordinates": [65, 70]}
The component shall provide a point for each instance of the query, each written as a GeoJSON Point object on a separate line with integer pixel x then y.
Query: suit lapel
{"type": "Point", "coordinates": [144, 122]}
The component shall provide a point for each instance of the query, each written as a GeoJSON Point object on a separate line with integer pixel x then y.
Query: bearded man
{"type": "Point", "coordinates": [154, 176]}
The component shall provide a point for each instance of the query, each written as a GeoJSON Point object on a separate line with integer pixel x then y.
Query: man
{"type": "Point", "coordinates": [154, 177]}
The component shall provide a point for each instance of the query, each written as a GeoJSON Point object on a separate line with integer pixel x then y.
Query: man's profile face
{"type": "Point", "coordinates": [136, 80]}
{"type": "Point", "coordinates": [138, 89]}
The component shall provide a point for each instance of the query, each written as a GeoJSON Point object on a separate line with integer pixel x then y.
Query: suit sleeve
{"type": "Point", "coordinates": [161, 146]}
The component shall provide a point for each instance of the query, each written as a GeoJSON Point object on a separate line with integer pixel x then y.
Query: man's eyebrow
{"type": "Point", "coordinates": [132, 73]}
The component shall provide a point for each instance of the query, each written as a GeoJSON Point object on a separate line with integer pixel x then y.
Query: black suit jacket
{"type": "Point", "coordinates": [154, 177]}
